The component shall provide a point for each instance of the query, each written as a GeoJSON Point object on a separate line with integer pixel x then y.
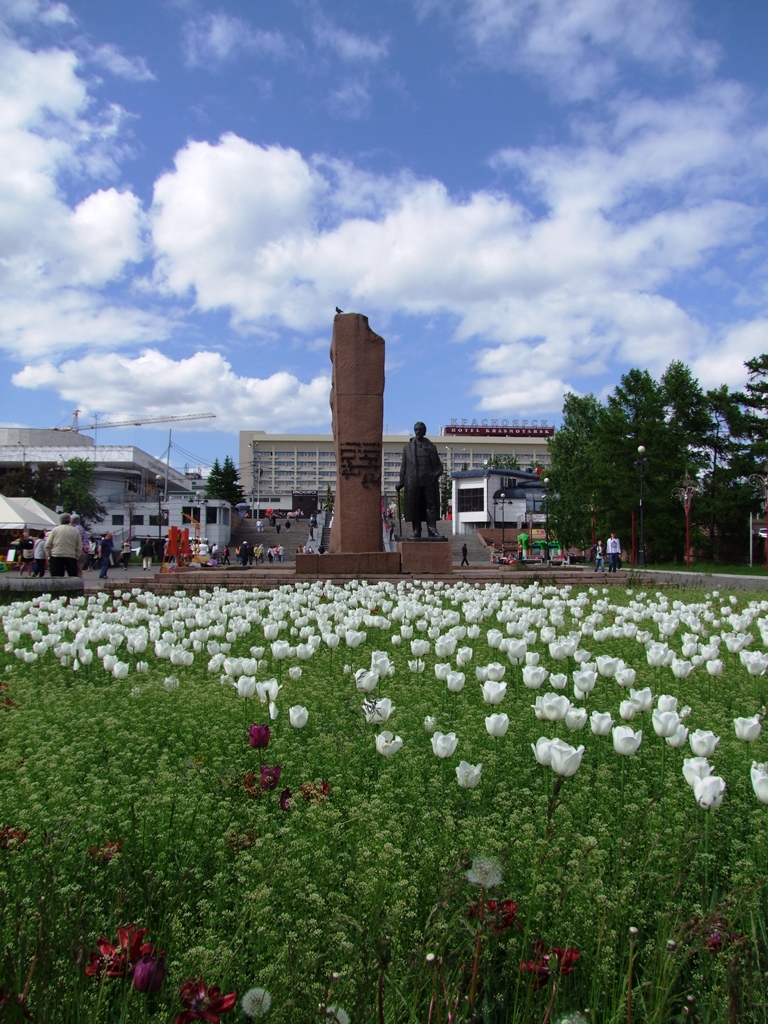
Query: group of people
{"type": "Point", "coordinates": [612, 549]}
{"type": "Point", "coordinates": [247, 553]}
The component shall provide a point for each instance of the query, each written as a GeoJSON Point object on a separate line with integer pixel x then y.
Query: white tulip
{"type": "Point", "coordinates": [444, 744]}
{"type": "Point", "coordinates": [377, 711]}
{"type": "Point", "coordinates": [627, 710]}
{"type": "Point", "coordinates": [497, 725]}
{"type": "Point", "coordinates": [468, 775]}
{"type": "Point", "coordinates": [417, 665]}
{"type": "Point", "coordinates": [542, 751]}
{"type": "Point", "coordinates": [565, 759]}
{"type": "Point", "coordinates": [576, 718]}
{"type": "Point", "coordinates": [298, 715]}
{"type": "Point", "coordinates": [695, 768]}
{"type": "Point", "coordinates": [294, 672]}
{"type": "Point", "coordinates": [626, 741]}
{"type": "Point", "coordinates": [534, 676]}
{"type": "Point", "coordinates": [666, 703]}
{"type": "Point", "coordinates": [430, 723]}
{"type": "Point", "coordinates": [759, 774]}
{"type": "Point", "coordinates": [709, 792]}
{"type": "Point", "coordinates": [678, 737]}
{"type": "Point", "coordinates": [494, 693]}
{"type": "Point", "coordinates": [558, 680]}
{"type": "Point", "coordinates": [642, 699]}
{"type": "Point", "coordinates": [245, 686]}
{"type": "Point", "coordinates": [387, 744]}
{"type": "Point", "coordinates": [455, 681]}
{"type": "Point", "coordinates": [747, 729]}
{"type": "Point", "coordinates": [665, 723]}
{"type": "Point", "coordinates": [703, 742]}
{"type": "Point", "coordinates": [601, 722]}
{"type": "Point", "coordinates": [366, 680]}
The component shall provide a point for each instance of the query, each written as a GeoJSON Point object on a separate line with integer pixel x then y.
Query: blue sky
{"type": "Point", "coordinates": [525, 197]}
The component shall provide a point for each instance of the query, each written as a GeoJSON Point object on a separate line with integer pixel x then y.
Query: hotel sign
{"type": "Point", "coordinates": [499, 428]}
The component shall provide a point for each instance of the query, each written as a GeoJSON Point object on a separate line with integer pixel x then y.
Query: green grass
{"type": "Point", "coordinates": [323, 903]}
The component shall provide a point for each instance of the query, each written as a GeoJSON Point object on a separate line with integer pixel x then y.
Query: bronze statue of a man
{"type": "Point", "coordinates": [420, 473]}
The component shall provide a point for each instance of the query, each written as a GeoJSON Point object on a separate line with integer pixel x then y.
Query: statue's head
{"type": "Point", "coordinates": [419, 429]}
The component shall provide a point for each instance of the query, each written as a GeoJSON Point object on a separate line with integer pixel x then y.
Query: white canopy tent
{"type": "Point", "coordinates": [15, 516]}
{"type": "Point", "coordinates": [33, 505]}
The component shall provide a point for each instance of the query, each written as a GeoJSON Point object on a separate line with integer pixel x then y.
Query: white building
{"type": "Point", "coordinates": [273, 467]}
{"type": "Point", "coordinates": [508, 498]}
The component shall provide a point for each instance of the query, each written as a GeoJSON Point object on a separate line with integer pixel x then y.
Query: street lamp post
{"type": "Point", "coordinates": [760, 480]}
{"type": "Point", "coordinates": [158, 488]}
{"type": "Point", "coordinates": [255, 476]}
{"type": "Point", "coordinates": [641, 463]}
{"type": "Point", "coordinates": [502, 500]}
{"type": "Point", "coordinates": [589, 507]}
{"type": "Point", "coordinates": [685, 493]}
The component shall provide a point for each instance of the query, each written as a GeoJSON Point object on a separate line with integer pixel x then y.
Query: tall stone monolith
{"type": "Point", "coordinates": [357, 407]}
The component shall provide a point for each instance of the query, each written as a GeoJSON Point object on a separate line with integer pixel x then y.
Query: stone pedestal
{"type": "Point", "coordinates": [357, 405]}
{"type": "Point", "coordinates": [425, 555]}
{"type": "Point", "coordinates": [360, 564]}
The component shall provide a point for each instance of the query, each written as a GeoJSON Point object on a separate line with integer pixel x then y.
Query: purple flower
{"type": "Point", "coordinates": [148, 973]}
{"type": "Point", "coordinates": [259, 735]}
{"type": "Point", "coordinates": [286, 800]}
{"type": "Point", "coordinates": [270, 776]}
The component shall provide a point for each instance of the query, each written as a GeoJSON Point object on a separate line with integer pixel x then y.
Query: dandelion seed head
{"type": "Point", "coordinates": [485, 871]}
{"type": "Point", "coordinates": [256, 1003]}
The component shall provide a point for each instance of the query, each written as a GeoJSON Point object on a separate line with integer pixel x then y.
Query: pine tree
{"type": "Point", "coordinates": [213, 484]}
{"type": "Point", "coordinates": [231, 490]}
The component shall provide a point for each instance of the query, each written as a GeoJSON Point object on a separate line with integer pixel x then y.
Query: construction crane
{"type": "Point", "coordinates": [76, 427]}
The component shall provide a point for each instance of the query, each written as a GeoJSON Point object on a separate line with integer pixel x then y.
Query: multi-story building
{"type": "Point", "coordinates": [273, 467]}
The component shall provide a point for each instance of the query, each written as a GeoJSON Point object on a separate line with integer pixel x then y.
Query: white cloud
{"type": "Point", "coordinates": [133, 68]}
{"type": "Point", "coordinates": [578, 47]}
{"type": "Point", "coordinates": [55, 257]}
{"type": "Point", "coordinates": [205, 382]}
{"type": "Point", "coordinates": [220, 37]}
{"type": "Point", "coordinates": [348, 46]}
{"type": "Point", "coordinates": [35, 11]}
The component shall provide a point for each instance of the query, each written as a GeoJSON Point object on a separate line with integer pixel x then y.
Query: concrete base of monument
{"type": "Point", "coordinates": [362, 563]}
{"type": "Point", "coordinates": [425, 555]}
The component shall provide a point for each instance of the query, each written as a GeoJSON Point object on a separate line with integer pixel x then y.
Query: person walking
{"type": "Point", "coordinates": [106, 549]}
{"type": "Point", "coordinates": [27, 550]}
{"type": "Point", "coordinates": [224, 555]}
{"type": "Point", "coordinates": [614, 553]}
{"type": "Point", "coordinates": [125, 554]}
{"type": "Point", "coordinates": [464, 559]}
{"type": "Point", "coordinates": [64, 548]}
{"type": "Point", "coordinates": [597, 555]}
{"type": "Point", "coordinates": [38, 563]}
{"type": "Point", "coordinates": [280, 553]}
{"type": "Point", "coordinates": [146, 554]}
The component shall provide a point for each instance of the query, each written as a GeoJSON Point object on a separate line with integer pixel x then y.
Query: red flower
{"type": "Point", "coordinates": [259, 735]}
{"type": "Point", "coordinates": [286, 800]}
{"type": "Point", "coordinates": [7, 703]}
{"type": "Point", "coordinates": [270, 776]}
{"type": "Point", "coordinates": [10, 837]}
{"type": "Point", "coordinates": [119, 961]}
{"type": "Point", "coordinates": [106, 852]}
{"type": "Point", "coordinates": [549, 964]}
{"type": "Point", "coordinates": [499, 915]}
{"type": "Point", "coordinates": [315, 791]}
{"type": "Point", "coordinates": [201, 1003]}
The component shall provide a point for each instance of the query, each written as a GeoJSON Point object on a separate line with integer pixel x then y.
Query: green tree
{"type": "Point", "coordinates": [328, 503]}
{"type": "Point", "coordinates": [503, 462]}
{"type": "Point", "coordinates": [446, 488]}
{"type": "Point", "coordinates": [573, 471]}
{"type": "Point", "coordinates": [78, 482]}
{"type": "Point", "coordinates": [224, 482]}
{"type": "Point", "coordinates": [213, 484]}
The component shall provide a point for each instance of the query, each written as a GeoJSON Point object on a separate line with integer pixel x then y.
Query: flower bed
{"type": "Point", "coordinates": [384, 803]}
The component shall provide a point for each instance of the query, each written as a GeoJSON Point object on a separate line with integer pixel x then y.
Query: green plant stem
{"type": "Point", "coordinates": [478, 941]}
